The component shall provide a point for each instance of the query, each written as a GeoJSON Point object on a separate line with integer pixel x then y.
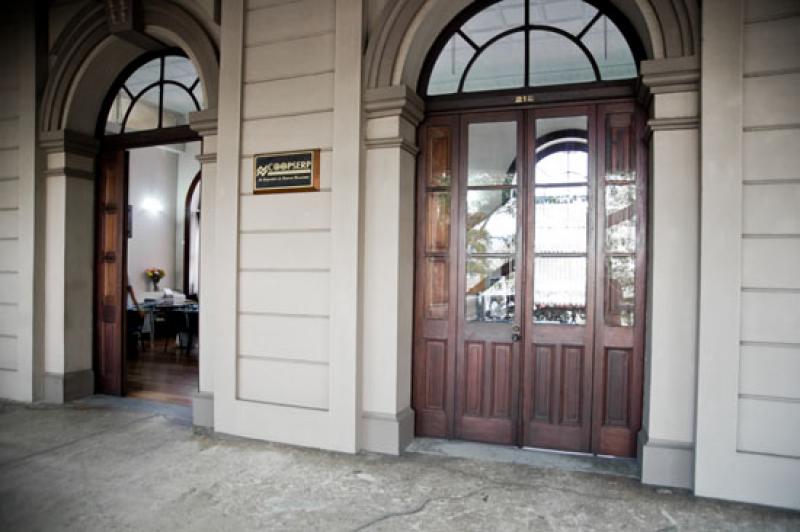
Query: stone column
{"type": "Point", "coordinates": [205, 124]}
{"type": "Point", "coordinates": [68, 264]}
{"type": "Point", "coordinates": [667, 439]}
{"type": "Point", "coordinates": [392, 115]}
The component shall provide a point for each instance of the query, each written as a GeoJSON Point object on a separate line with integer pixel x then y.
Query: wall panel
{"type": "Point", "coordinates": [290, 96]}
{"type": "Point", "coordinates": [769, 316]}
{"type": "Point", "coordinates": [9, 193]}
{"type": "Point", "coordinates": [286, 337]}
{"type": "Point", "coordinates": [304, 293]}
{"type": "Point", "coordinates": [288, 59]}
{"type": "Point", "coordinates": [771, 154]}
{"type": "Point", "coordinates": [772, 209]}
{"type": "Point", "coordinates": [8, 353]}
{"type": "Point", "coordinates": [285, 212]}
{"type": "Point", "coordinates": [769, 427]}
{"type": "Point", "coordinates": [766, 46]}
{"type": "Point", "coordinates": [287, 133]}
{"type": "Point", "coordinates": [289, 20]}
{"type": "Point", "coordinates": [771, 100]}
{"type": "Point", "coordinates": [770, 370]}
{"type": "Point", "coordinates": [284, 383]}
{"type": "Point", "coordinates": [303, 251]}
{"type": "Point", "coordinates": [771, 263]}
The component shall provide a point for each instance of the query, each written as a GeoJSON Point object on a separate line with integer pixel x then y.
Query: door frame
{"type": "Point", "coordinates": [187, 220]}
{"type": "Point", "coordinates": [450, 109]}
{"type": "Point", "coordinates": [123, 143]}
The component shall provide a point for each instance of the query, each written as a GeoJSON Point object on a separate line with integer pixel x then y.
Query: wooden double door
{"type": "Point", "coordinates": [530, 277]}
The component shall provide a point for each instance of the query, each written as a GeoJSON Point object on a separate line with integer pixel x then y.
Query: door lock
{"type": "Point", "coordinates": [515, 335]}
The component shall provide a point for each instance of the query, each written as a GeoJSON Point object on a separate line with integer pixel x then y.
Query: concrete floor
{"type": "Point", "coordinates": [114, 465]}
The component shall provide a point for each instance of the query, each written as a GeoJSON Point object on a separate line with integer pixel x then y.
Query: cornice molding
{"type": "Point", "coordinates": [672, 124]}
{"type": "Point", "coordinates": [65, 140]}
{"type": "Point", "coordinates": [680, 74]}
{"type": "Point", "coordinates": [397, 100]}
{"type": "Point", "coordinates": [204, 122]}
{"type": "Point", "coordinates": [393, 142]}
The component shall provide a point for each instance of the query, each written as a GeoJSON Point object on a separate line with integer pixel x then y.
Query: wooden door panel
{"type": "Point", "coordinates": [557, 382]}
{"type": "Point", "coordinates": [433, 358]}
{"type": "Point", "coordinates": [619, 334]}
{"type": "Point", "coordinates": [572, 385]}
{"type": "Point", "coordinates": [487, 357]}
{"type": "Point", "coordinates": [110, 275]}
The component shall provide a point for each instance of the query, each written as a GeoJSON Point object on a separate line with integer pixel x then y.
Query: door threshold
{"type": "Point", "coordinates": [577, 453]}
{"type": "Point", "coordinates": [533, 457]}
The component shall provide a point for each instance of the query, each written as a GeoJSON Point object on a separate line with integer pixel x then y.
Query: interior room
{"type": "Point", "coordinates": [163, 272]}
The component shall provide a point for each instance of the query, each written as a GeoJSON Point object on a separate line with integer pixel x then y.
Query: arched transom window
{"type": "Point", "coordinates": [159, 94]}
{"type": "Point", "coordinates": [531, 43]}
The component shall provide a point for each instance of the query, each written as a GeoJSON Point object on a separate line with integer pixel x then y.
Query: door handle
{"type": "Point", "coordinates": [515, 335]}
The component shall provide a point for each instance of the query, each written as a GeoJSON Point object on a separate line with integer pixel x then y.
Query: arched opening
{"type": "Point", "coordinates": [531, 230]}
{"type": "Point", "coordinates": [149, 164]}
{"type": "Point", "coordinates": [92, 59]}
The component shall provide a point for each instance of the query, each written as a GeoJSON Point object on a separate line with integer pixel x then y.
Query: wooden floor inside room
{"type": "Point", "coordinates": [167, 376]}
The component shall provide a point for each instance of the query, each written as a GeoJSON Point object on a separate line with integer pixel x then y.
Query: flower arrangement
{"type": "Point", "coordinates": [155, 275]}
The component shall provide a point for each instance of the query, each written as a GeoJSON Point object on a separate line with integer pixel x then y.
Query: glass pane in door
{"type": "Point", "coordinates": [561, 207]}
{"type": "Point", "coordinates": [491, 222]}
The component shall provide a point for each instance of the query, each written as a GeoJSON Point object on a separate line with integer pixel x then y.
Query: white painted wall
{"type": "Point", "coordinates": [9, 208]}
{"type": "Point", "coordinates": [748, 421]}
{"type": "Point", "coordinates": [152, 176]}
{"type": "Point", "coordinates": [769, 400]}
{"type": "Point", "coordinates": [20, 197]}
{"type": "Point", "coordinates": [284, 242]}
{"type": "Point", "coordinates": [290, 377]}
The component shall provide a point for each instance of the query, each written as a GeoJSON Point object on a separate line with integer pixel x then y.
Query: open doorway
{"type": "Point", "coordinates": [162, 272]}
{"type": "Point", "coordinates": [148, 233]}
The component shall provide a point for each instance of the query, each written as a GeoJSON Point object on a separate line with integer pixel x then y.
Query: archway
{"type": "Point", "coordinates": [99, 42]}
{"type": "Point", "coordinates": [669, 77]}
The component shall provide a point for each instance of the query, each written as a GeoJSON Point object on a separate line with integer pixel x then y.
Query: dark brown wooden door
{"type": "Point", "coordinates": [110, 277]}
{"type": "Point", "coordinates": [436, 279]}
{"type": "Point", "coordinates": [530, 278]}
{"type": "Point", "coordinates": [557, 380]}
{"type": "Point", "coordinates": [490, 253]}
{"type": "Point", "coordinates": [620, 280]}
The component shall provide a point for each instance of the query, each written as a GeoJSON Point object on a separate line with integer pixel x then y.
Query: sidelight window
{"type": "Point", "coordinates": [515, 44]}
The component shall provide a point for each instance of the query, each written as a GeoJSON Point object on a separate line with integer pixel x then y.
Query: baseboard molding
{"type": "Point", "coordinates": [667, 463]}
{"type": "Point", "coordinates": [62, 387]}
{"type": "Point", "coordinates": [203, 410]}
{"type": "Point", "coordinates": [386, 433]}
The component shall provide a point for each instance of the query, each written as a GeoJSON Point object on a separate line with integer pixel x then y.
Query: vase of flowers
{"type": "Point", "coordinates": [155, 275]}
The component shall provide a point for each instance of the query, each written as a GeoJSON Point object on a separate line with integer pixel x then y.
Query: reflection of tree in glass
{"type": "Point", "coordinates": [491, 221]}
{"type": "Point", "coordinates": [620, 218]}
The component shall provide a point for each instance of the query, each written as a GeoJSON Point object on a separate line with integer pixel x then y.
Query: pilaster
{"type": "Point", "coordinates": [68, 264]}
{"type": "Point", "coordinates": [667, 439]}
{"type": "Point", "coordinates": [392, 116]}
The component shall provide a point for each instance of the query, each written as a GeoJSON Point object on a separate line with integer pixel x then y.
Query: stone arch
{"type": "Point", "coordinates": [398, 47]}
{"type": "Point", "coordinates": [88, 57]}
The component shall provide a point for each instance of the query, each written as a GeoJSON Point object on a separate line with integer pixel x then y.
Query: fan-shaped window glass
{"type": "Point", "coordinates": [494, 20]}
{"type": "Point", "coordinates": [500, 67]}
{"type": "Point", "coordinates": [159, 94]}
{"type": "Point", "coordinates": [555, 60]}
{"type": "Point", "coordinates": [143, 114]}
{"type": "Point", "coordinates": [564, 41]}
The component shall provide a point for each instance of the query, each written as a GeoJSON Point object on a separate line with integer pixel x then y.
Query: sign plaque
{"type": "Point", "coordinates": [296, 171]}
